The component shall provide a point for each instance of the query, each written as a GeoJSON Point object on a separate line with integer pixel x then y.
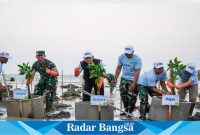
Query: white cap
{"type": "Point", "coordinates": [87, 54]}
{"type": "Point", "coordinates": [128, 49]}
{"type": "Point", "coordinates": [5, 55]}
{"type": "Point", "coordinates": [190, 67]}
{"type": "Point", "coordinates": [158, 64]}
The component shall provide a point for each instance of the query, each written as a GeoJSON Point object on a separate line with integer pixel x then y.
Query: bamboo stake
{"type": "Point", "coordinates": [20, 108]}
{"type": "Point", "coordinates": [62, 87]}
{"type": "Point", "coordinates": [16, 81]}
{"type": "Point", "coordinates": [170, 112]}
{"type": "Point", "coordinates": [29, 92]}
{"type": "Point", "coordinates": [99, 106]}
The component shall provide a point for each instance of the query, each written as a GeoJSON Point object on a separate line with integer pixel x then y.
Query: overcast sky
{"type": "Point", "coordinates": [157, 30]}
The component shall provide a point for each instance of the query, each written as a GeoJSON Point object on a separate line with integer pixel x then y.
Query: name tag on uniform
{"type": "Point", "coordinates": [98, 100]}
{"type": "Point", "coordinates": [170, 100]}
{"type": "Point", "coordinates": [20, 94]}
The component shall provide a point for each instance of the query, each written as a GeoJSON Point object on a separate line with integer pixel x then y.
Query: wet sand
{"type": "Point", "coordinates": [67, 105]}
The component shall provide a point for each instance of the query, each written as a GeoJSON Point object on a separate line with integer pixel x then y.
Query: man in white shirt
{"type": "Point", "coordinates": [4, 56]}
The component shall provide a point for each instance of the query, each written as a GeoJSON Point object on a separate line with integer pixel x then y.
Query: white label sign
{"type": "Point", "coordinates": [170, 100]}
{"type": "Point", "coordinates": [20, 94]}
{"type": "Point", "coordinates": [98, 100]}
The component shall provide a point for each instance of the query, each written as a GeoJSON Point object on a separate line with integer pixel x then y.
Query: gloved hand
{"type": "Point", "coordinates": [184, 85]}
{"type": "Point", "coordinates": [170, 85]}
{"type": "Point", "coordinates": [76, 71]}
{"type": "Point", "coordinates": [48, 71]}
{"type": "Point", "coordinates": [179, 87]}
{"type": "Point", "coordinates": [99, 85]}
{"type": "Point", "coordinates": [51, 72]}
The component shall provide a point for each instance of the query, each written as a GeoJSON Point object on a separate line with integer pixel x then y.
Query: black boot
{"type": "Point", "coordinates": [148, 108]}
{"type": "Point", "coordinates": [48, 106]}
{"type": "Point", "coordinates": [132, 101]}
{"type": "Point", "coordinates": [122, 114]}
{"type": "Point", "coordinates": [191, 110]}
{"type": "Point", "coordinates": [131, 108]}
{"type": "Point", "coordinates": [143, 108]}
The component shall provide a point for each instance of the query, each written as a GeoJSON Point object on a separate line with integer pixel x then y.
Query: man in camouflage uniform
{"type": "Point", "coordinates": [131, 65]}
{"type": "Point", "coordinates": [48, 78]}
{"type": "Point", "coordinates": [147, 86]}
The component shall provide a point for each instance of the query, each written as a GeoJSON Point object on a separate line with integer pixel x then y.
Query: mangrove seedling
{"type": "Point", "coordinates": [174, 67]}
{"type": "Point", "coordinates": [26, 70]}
{"type": "Point", "coordinates": [96, 71]}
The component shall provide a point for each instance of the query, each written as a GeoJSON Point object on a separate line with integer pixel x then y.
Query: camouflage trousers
{"type": "Point", "coordinates": [129, 98]}
{"type": "Point", "coordinates": [111, 81]}
{"type": "Point", "coordinates": [49, 84]}
{"type": "Point", "coordinates": [143, 96]}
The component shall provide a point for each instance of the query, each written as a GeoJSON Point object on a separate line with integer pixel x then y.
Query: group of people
{"type": "Point", "coordinates": [131, 85]}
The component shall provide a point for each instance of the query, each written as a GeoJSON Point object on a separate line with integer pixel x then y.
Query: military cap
{"type": "Point", "coordinates": [40, 53]}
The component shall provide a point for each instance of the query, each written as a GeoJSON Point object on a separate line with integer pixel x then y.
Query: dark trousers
{"type": "Point", "coordinates": [193, 93]}
{"type": "Point", "coordinates": [88, 86]}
